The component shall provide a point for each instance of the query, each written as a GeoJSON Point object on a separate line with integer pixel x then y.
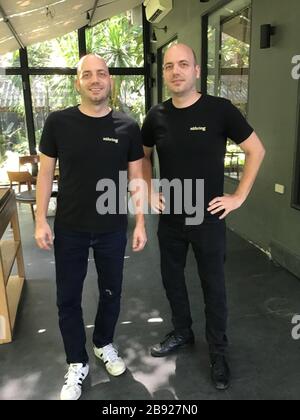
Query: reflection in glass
{"type": "Point", "coordinates": [229, 35]}
{"type": "Point", "coordinates": [235, 52]}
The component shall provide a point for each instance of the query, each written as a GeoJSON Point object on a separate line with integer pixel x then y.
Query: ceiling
{"type": "Point", "coordinates": [33, 21]}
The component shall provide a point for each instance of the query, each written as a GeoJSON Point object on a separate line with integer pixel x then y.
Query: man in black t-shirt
{"type": "Point", "coordinates": [190, 132]}
{"type": "Point", "coordinates": [93, 144]}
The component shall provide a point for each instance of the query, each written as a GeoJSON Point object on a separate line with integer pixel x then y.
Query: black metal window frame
{"type": "Point", "coordinates": [25, 72]}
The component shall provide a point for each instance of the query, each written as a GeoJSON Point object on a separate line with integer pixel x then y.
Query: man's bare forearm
{"type": "Point", "coordinates": [43, 194]}
{"type": "Point", "coordinates": [147, 173]}
{"type": "Point", "coordinates": [252, 164]}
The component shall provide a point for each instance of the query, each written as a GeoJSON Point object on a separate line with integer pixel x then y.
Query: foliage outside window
{"type": "Point", "coordinates": [128, 96]}
{"type": "Point", "coordinates": [11, 59]}
{"type": "Point", "coordinates": [118, 40]}
{"type": "Point", "coordinates": [229, 34]}
{"type": "Point", "coordinates": [58, 52]}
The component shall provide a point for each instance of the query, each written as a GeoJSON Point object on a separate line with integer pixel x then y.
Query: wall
{"type": "Point", "coordinates": [267, 219]}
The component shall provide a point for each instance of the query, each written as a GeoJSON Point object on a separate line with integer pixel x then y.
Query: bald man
{"type": "Point", "coordinates": [190, 132]}
{"type": "Point", "coordinates": [92, 142]}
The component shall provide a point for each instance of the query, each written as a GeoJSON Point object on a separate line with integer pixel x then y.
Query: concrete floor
{"type": "Point", "coordinates": [262, 300]}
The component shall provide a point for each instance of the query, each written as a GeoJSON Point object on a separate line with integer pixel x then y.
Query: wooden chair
{"type": "Point", "coordinates": [25, 197]}
{"type": "Point", "coordinates": [29, 162]}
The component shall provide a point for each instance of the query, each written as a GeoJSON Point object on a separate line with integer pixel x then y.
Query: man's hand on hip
{"type": "Point", "coordinates": [227, 204]}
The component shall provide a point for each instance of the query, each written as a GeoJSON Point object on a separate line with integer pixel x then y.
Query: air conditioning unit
{"type": "Point", "coordinates": [156, 10]}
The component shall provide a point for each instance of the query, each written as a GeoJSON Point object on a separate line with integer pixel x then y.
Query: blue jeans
{"type": "Point", "coordinates": [71, 257]}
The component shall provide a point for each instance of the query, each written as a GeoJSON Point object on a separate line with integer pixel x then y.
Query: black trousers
{"type": "Point", "coordinates": [209, 245]}
{"type": "Point", "coordinates": [71, 258]}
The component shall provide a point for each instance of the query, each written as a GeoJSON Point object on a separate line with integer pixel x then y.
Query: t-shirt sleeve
{"type": "Point", "coordinates": [136, 151]}
{"type": "Point", "coordinates": [147, 131]}
{"type": "Point", "coordinates": [48, 144]}
{"type": "Point", "coordinates": [237, 127]}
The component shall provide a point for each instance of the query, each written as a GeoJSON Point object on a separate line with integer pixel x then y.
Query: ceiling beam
{"type": "Point", "coordinates": [93, 11]}
{"type": "Point", "coordinates": [11, 28]}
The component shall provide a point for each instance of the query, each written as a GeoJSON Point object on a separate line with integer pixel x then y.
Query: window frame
{"type": "Point", "coordinates": [204, 54]}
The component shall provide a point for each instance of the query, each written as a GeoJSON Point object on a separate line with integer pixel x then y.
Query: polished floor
{"type": "Point", "coordinates": [264, 358]}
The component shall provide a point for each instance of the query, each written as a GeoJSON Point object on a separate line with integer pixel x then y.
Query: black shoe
{"type": "Point", "coordinates": [171, 343]}
{"type": "Point", "coordinates": [220, 372]}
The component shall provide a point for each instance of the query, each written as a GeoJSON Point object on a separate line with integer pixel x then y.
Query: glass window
{"type": "Point", "coordinates": [13, 139]}
{"type": "Point", "coordinates": [118, 40]}
{"type": "Point", "coordinates": [59, 52]}
{"type": "Point", "coordinates": [128, 96]}
{"type": "Point", "coordinates": [51, 93]}
{"type": "Point", "coordinates": [11, 59]}
{"type": "Point", "coordinates": [211, 85]}
{"type": "Point", "coordinates": [229, 34]}
{"type": "Point", "coordinates": [235, 52]}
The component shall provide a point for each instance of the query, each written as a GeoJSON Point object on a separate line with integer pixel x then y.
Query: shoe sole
{"type": "Point", "coordinates": [117, 374]}
{"type": "Point", "coordinates": [175, 350]}
{"type": "Point", "coordinates": [223, 388]}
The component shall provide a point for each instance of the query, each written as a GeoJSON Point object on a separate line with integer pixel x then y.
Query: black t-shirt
{"type": "Point", "coordinates": [89, 150]}
{"type": "Point", "coordinates": [191, 142]}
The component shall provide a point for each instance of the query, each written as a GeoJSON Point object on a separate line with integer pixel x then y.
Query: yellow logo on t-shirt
{"type": "Point", "coordinates": [198, 129]}
{"type": "Point", "coordinates": [111, 140]}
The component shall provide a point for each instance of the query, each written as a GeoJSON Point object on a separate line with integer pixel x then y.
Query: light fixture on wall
{"type": "Point", "coordinates": [154, 37]}
{"type": "Point", "coordinates": [266, 31]}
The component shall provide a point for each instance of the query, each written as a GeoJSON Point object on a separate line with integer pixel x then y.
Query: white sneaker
{"type": "Point", "coordinates": [114, 364]}
{"type": "Point", "coordinates": [74, 378]}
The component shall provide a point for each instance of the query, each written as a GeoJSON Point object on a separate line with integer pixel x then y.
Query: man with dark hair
{"type": "Point", "coordinates": [190, 132]}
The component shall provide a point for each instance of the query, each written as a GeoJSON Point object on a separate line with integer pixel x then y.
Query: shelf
{"type": "Point", "coordinates": [13, 292]}
{"type": "Point", "coordinates": [8, 252]}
